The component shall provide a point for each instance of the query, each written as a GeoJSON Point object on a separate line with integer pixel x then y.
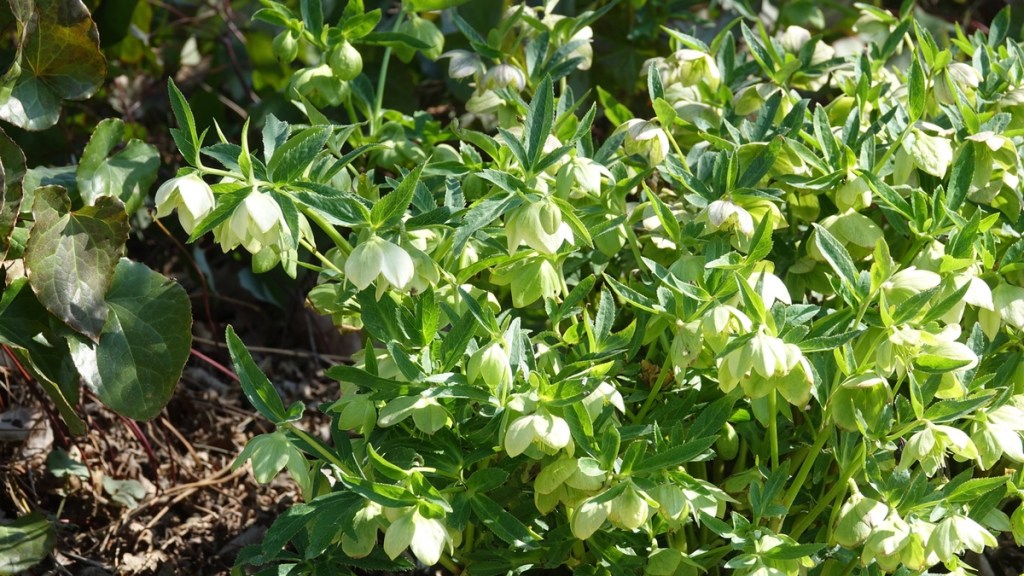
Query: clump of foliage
{"type": "Point", "coordinates": [768, 325]}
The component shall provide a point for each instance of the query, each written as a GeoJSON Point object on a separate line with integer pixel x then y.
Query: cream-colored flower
{"type": "Point", "coordinates": [375, 257]}
{"type": "Point", "coordinates": [190, 196]}
{"type": "Point", "coordinates": [256, 223]}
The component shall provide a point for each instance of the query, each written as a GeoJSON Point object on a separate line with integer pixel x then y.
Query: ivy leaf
{"type": "Point", "coordinates": [12, 171]}
{"type": "Point", "coordinates": [145, 342]}
{"type": "Point", "coordinates": [126, 175]}
{"type": "Point", "coordinates": [25, 542]}
{"type": "Point", "coordinates": [71, 256]}
{"type": "Point", "coordinates": [59, 59]}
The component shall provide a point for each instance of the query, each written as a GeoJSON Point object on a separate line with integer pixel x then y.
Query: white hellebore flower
{"type": "Point", "coordinates": [426, 537]}
{"type": "Point", "coordinates": [463, 63]}
{"type": "Point", "coordinates": [377, 257]}
{"type": "Point", "coordinates": [726, 215]}
{"type": "Point", "coordinates": [645, 138]}
{"type": "Point", "coordinates": [538, 225]}
{"type": "Point", "coordinates": [794, 38]}
{"type": "Point", "coordinates": [257, 222]}
{"type": "Point", "coordinates": [696, 66]}
{"type": "Point", "coordinates": [504, 76]}
{"type": "Point", "coordinates": [549, 431]}
{"type": "Point", "coordinates": [963, 76]}
{"type": "Point", "coordinates": [932, 154]}
{"type": "Point", "coordinates": [189, 195]}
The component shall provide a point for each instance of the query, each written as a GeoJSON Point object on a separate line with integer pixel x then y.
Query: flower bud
{"type": "Point", "coordinates": [362, 539]}
{"type": "Point", "coordinates": [589, 517]}
{"type": "Point", "coordinates": [286, 46]}
{"type": "Point", "coordinates": [549, 432]}
{"type": "Point", "coordinates": [728, 442]}
{"type": "Point", "coordinates": [866, 395]}
{"type": "Point", "coordinates": [794, 38]}
{"type": "Point", "coordinates": [463, 64]}
{"type": "Point", "coordinates": [932, 154]}
{"type": "Point", "coordinates": [580, 177]}
{"type": "Point", "coordinates": [320, 86]}
{"type": "Point", "coordinates": [190, 196]}
{"type": "Point", "coordinates": [538, 225]}
{"type": "Point", "coordinates": [956, 533]}
{"type": "Point", "coordinates": [345, 60]}
{"type": "Point", "coordinates": [425, 31]}
{"type": "Point", "coordinates": [490, 364]}
{"type": "Point", "coordinates": [908, 282]}
{"type": "Point", "coordinates": [629, 509]}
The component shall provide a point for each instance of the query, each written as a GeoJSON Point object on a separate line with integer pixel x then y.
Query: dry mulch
{"type": "Point", "coordinates": [193, 512]}
{"type": "Point", "coordinates": [196, 512]}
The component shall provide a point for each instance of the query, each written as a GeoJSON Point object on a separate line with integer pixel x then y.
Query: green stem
{"type": "Point", "coordinates": [326, 261]}
{"type": "Point", "coordinates": [892, 150]}
{"type": "Point", "coordinates": [838, 488]}
{"type": "Point", "coordinates": [805, 468]}
{"type": "Point", "coordinates": [773, 428]}
{"type": "Point", "coordinates": [315, 445]}
{"type": "Point", "coordinates": [382, 78]}
{"type": "Point", "coordinates": [450, 564]}
{"type": "Point", "coordinates": [222, 173]}
{"type": "Point", "coordinates": [655, 391]}
{"type": "Point", "coordinates": [328, 229]}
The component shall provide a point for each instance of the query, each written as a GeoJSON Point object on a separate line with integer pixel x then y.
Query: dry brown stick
{"type": "Point", "coordinates": [181, 438]}
{"type": "Point", "coordinates": [277, 351]}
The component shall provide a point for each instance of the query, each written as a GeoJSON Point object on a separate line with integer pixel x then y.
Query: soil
{"type": "Point", "coordinates": [193, 511]}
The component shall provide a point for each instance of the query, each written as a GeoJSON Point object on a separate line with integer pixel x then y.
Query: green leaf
{"type": "Point", "coordinates": [146, 339]}
{"type": "Point", "coordinates": [425, 5]}
{"type": "Point", "coordinates": [295, 155]}
{"type": "Point", "coordinates": [255, 385]}
{"type": "Point", "coordinates": [823, 343]}
{"type": "Point", "coordinates": [71, 256]}
{"type": "Point", "coordinates": [479, 215]}
{"type": "Point", "coordinates": [59, 58]}
{"type": "Point", "coordinates": [961, 176]}
{"type": "Point", "coordinates": [313, 16]}
{"type": "Point", "coordinates": [605, 316]}
{"type": "Point", "coordinates": [185, 136]}
{"type": "Point", "coordinates": [836, 255]}
{"type": "Point", "coordinates": [388, 211]}
{"type": "Point", "coordinates": [25, 542]}
{"type": "Point", "coordinates": [655, 87]}
{"type": "Point", "coordinates": [675, 456]}
{"type": "Point", "coordinates": [499, 521]}
{"type": "Point", "coordinates": [12, 171]}
{"type": "Point", "coordinates": [918, 92]}
{"type": "Point", "coordinates": [358, 26]}
{"type": "Point", "coordinates": [539, 118]}
{"type": "Point", "coordinates": [665, 216]}
{"type": "Point", "coordinates": [126, 175]}
{"type": "Point", "coordinates": [487, 479]}
{"type": "Point", "coordinates": [26, 326]}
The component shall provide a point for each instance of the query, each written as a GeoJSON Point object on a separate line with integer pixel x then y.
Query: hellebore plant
{"type": "Point", "coordinates": [752, 333]}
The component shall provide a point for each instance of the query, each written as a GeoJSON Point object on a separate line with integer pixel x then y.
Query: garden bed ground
{"type": "Point", "coordinates": [193, 511]}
